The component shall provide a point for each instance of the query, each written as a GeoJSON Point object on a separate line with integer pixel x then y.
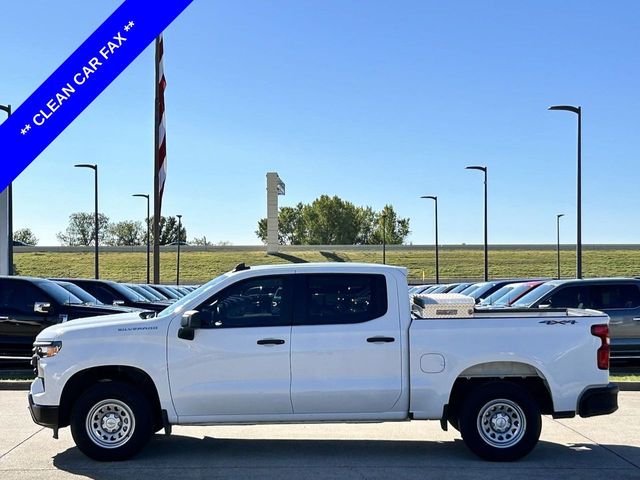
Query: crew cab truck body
{"type": "Point", "coordinates": [318, 343]}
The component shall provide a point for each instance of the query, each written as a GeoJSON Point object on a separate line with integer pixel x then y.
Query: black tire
{"type": "Point", "coordinates": [122, 421]}
{"type": "Point", "coordinates": [500, 422]}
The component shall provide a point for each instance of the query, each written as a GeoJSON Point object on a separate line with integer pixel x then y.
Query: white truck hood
{"type": "Point", "coordinates": [118, 322]}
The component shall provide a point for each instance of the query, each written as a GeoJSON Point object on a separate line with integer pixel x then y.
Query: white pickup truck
{"type": "Point", "coordinates": [319, 343]}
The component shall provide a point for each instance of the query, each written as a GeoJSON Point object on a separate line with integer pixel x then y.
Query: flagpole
{"type": "Point", "coordinates": [156, 167]}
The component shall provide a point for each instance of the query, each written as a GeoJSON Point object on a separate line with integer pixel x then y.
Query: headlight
{"type": "Point", "coordinates": [47, 349]}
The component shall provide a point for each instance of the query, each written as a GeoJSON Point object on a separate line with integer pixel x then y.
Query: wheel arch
{"type": "Point", "coordinates": [519, 373]}
{"type": "Point", "coordinates": [84, 379]}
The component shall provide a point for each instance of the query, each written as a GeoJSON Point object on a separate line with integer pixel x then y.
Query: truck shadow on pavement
{"type": "Point", "coordinates": [189, 457]}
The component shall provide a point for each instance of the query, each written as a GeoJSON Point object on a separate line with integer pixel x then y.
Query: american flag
{"type": "Point", "coordinates": [161, 145]}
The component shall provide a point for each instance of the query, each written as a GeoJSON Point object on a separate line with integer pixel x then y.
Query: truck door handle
{"type": "Point", "coordinates": [381, 339]}
{"type": "Point", "coordinates": [636, 319]}
{"type": "Point", "coordinates": [619, 322]}
{"type": "Point", "coordinates": [270, 341]}
{"type": "Point", "coordinates": [4, 319]}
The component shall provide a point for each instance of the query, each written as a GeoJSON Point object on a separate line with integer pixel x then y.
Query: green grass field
{"type": "Point", "coordinates": [198, 267]}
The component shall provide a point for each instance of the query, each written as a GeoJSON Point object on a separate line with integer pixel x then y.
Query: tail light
{"type": "Point", "coordinates": [602, 332]}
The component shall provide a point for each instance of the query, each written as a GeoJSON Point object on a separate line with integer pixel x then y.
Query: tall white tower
{"type": "Point", "coordinates": [275, 187]}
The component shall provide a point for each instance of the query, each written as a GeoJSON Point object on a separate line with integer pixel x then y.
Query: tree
{"type": "Point", "coordinates": [291, 229]}
{"type": "Point", "coordinates": [168, 227]}
{"type": "Point", "coordinates": [333, 221]}
{"type": "Point", "coordinates": [127, 233]}
{"type": "Point", "coordinates": [201, 242]}
{"type": "Point", "coordinates": [25, 235]}
{"type": "Point", "coordinates": [396, 229]}
{"type": "Point", "coordinates": [81, 230]}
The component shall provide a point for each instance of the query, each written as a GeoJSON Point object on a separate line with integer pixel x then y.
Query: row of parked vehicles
{"type": "Point", "coordinates": [619, 298]}
{"type": "Point", "coordinates": [28, 305]}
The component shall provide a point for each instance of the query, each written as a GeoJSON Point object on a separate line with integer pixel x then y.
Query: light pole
{"type": "Point", "coordinates": [94, 167]}
{"type": "Point", "coordinates": [7, 109]}
{"type": "Point", "coordinates": [435, 200]}
{"type": "Point", "coordinates": [578, 112]}
{"type": "Point", "coordinates": [384, 238]}
{"type": "Point", "coordinates": [144, 195]}
{"type": "Point", "coordinates": [486, 243]}
{"type": "Point", "coordinates": [558, 217]}
{"type": "Point", "coordinates": [179, 242]}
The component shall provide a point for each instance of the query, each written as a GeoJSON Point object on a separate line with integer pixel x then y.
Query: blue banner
{"type": "Point", "coordinates": [80, 79]}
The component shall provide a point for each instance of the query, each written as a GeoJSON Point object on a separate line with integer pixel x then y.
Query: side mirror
{"type": "Point", "coordinates": [42, 307]}
{"type": "Point", "coordinates": [188, 324]}
{"type": "Point", "coordinates": [191, 319]}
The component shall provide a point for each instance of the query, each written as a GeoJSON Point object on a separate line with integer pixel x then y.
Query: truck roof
{"type": "Point", "coordinates": [331, 266]}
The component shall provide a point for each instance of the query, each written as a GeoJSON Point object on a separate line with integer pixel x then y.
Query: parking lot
{"type": "Point", "coordinates": [576, 448]}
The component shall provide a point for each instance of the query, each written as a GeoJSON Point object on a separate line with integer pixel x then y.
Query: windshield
{"type": "Point", "coordinates": [166, 292]}
{"type": "Point", "coordinates": [459, 288]}
{"type": "Point", "coordinates": [127, 293]}
{"type": "Point", "coordinates": [142, 292]}
{"type": "Point", "coordinates": [83, 295]}
{"type": "Point", "coordinates": [179, 306]}
{"type": "Point", "coordinates": [155, 293]}
{"type": "Point", "coordinates": [498, 294]}
{"type": "Point", "coordinates": [514, 294]}
{"type": "Point", "coordinates": [534, 295]}
{"type": "Point", "coordinates": [480, 290]}
{"type": "Point", "coordinates": [59, 294]}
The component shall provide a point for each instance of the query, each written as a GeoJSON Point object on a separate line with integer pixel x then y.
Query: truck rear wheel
{"type": "Point", "coordinates": [500, 422]}
{"type": "Point", "coordinates": [111, 421]}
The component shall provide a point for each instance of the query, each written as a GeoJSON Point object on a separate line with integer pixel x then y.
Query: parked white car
{"type": "Point", "coordinates": [319, 343]}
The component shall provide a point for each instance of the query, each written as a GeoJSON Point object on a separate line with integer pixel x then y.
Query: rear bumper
{"type": "Point", "coordinates": [47, 416]}
{"type": "Point", "coordinates": [598, 401]}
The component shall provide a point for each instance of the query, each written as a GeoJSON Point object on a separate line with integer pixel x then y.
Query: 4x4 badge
{"type": "Point", "coordinates": [559, 322]}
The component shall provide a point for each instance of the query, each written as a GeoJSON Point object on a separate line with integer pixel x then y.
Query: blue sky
{"type": "Point", "coordinates": [376, 102]}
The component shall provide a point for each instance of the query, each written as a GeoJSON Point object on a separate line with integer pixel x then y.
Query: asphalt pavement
{"type": "Point", "coordinates": [592, 448]}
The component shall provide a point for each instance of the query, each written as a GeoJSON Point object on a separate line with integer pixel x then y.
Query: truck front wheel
{"type": "Point", "coordinates": [500, 422]}
{"type": "Point", "coordinates": [111, 421]}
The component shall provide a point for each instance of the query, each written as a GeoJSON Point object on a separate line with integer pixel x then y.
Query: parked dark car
{"type": "Point", "coordinates": [153, 291]}
{"type": "Point", "coordinates": [416, 289]}
{"type": "Point", "coordinates": [617, 297]}
{"type": "Point", "coordinates": [28, 305]}
{"type": "Point", "coordinates": [509, 294]}
{"type": "Point", "coordinates": [113, 293]}
{"type": "Point", "coordinates": [484, 289]}
{"type": "Point", "coordinates": [460, 287]}
{"type": "Point", "coordinates": [152, 295]}
{"type": "Point", "coordinates": [167, 291]}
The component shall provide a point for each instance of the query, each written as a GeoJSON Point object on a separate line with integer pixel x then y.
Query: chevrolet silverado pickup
{"type": "Point", "coordinates": [329, 342]}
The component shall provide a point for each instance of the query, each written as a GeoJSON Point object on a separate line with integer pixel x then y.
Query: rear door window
{"type": "Point", "coordinates": [342, 298]}
{"type": "Point", "coordinates": [614, 296]}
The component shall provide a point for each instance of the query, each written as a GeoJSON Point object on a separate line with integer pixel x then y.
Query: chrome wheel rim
{"type": "Point", "coordinates": [110, 423]}
{"type": "Point", "coordinates": [501, 423]}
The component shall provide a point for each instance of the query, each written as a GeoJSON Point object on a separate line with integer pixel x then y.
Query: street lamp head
{"type": "Point", "coordinates": [477, 167]}
{"type": "Point", "coordinates": [560, 215]}
{"type": "Point", "coordinates": [93, 166]}
{"type": "Point", "coordinates": [142, 195]}
{"type": "Point", "coordinates": [430, 197]}
{"type": "Point", "coordinates": [179, 216]}
{"type": "Point", "coordinates": [568, 108]}
{"type": "Point", "coordinates": [6, 108]}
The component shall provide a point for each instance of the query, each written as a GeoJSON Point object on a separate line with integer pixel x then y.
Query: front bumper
{"type": "Point", "coordinates": [44, 415]}
{"type": "Point", "coordinates": [598, 401]}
